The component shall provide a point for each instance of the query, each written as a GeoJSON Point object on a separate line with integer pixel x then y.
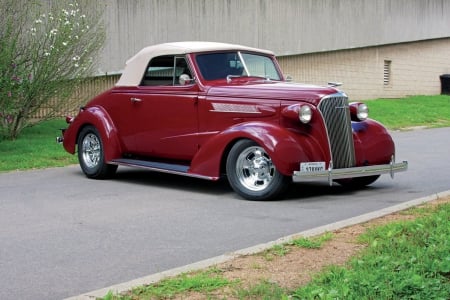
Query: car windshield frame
{"type": "Point", "coordinates": [235, 64]}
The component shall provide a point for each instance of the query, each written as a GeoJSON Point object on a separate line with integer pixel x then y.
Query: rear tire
{"type": "Point", "coordinates": [91, 155]}
{"type": "Point", "coordinates": [252, 174]}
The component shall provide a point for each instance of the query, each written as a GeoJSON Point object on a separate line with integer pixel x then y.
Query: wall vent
{"type": "Point", "coordinates": [387, 73]}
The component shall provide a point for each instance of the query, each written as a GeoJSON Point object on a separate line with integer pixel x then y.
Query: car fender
{"type": "Point", "coordinates": [99, 118]}
{"type": "Point", "coordinates": [373, 143]}
{"type": "Point", "coordinates": [283, 146]}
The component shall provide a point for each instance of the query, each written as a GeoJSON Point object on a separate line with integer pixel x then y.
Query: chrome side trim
{"type": "Point", "coordinates": [333, 174]}
{"type": "Point", "coordinates": [235, 108]}
{"type": "Point", "coordinates": [234, 111]}
{"type": "Point", "coordinates": [159, 167]}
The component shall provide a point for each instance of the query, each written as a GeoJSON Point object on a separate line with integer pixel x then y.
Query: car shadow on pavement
{"type": "Point", "coordinates": [172, 181]}
{"type": "Point", "coordinates": [316, 189]}
{"type": "Point", "coordinates": [296, 191]}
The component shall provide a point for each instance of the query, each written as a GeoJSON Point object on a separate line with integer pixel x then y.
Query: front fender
{"type": "Point", "coordinates": [286, 148]}
{"type": "Point", "coordinates": [373, 143]}
{"type": "Point", "coordinates": [99, 118]}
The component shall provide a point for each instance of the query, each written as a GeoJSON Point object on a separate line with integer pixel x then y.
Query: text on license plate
{"type": "Point", "coordinates": [314, 166]}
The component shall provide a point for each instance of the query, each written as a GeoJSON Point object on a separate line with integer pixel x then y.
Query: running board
{"type": "Point", "coordinates": [158, 167]}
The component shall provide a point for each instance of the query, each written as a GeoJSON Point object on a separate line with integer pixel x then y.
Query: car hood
{"type": "Point", "coordinates": [273, 90]}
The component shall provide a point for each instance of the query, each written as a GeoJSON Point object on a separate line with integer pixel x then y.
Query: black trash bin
{"type": "Point", "coordinates": [445, 84]}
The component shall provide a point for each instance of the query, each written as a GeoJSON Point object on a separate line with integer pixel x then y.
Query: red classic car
{"type": "Point", "coordinates": [208, 110]}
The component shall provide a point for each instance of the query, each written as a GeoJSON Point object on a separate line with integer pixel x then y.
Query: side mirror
{"type": "Point", "coordinates": [185, 79]}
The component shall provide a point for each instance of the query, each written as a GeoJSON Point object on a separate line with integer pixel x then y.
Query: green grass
{"type": "Point", "coordinates": [402, 260]}
{"type": "Point", "coordinates": [429, 111]}
{"type": "Point", "coordinates": [302, 242]}
{"type": "Point", "coordinates": [263, 290]}
{"type": "Point", "coordinates": [314, 242]}
{"type": "Point", "coordinates": [204, 282]}
{"type": "Point", "coordinates": [36, 147]}
{"type": "Point", "coordinates": [275, 251]}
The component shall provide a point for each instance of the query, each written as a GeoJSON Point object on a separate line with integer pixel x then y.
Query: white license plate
{"type": "Point", "coordinates": [315, 166]}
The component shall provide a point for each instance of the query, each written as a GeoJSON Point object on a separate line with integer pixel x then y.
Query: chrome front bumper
{"type": "Point", "coordinates": [333, 174]}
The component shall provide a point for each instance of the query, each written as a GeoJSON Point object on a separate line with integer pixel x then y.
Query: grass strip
{"type": "Point", "coordinates": [428, 111]}
{"type": "Point", "coordinates": [35, 148]}
{"type": "Point", "coordinates": [204, 282]}
{"type": "Point", "coordinates": [314, 242]}
{"type": "Point", "coordinates": [403, 260]}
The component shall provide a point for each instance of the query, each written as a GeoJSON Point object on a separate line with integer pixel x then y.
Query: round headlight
{"type": "Point", "coordinates": [362, 112]}
{"type": "Point", "coordinates": [305, 114]}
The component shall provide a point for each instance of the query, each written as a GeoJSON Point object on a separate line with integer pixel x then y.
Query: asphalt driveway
{"type": "Point", "coordinates": [62, 234]}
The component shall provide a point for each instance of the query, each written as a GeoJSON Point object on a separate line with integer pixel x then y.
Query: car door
{"type": "Point", "coordinates": [164, 111]}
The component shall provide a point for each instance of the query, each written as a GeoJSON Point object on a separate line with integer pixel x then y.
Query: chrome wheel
{"type": "Point", "coordinates": [254, 169]}
{"type": "Point", "coordinates": [251, 172]}
{"type": "Point", "coordinates": [91, 150]}
{"type": "Point", "coordinates": [91, 155]}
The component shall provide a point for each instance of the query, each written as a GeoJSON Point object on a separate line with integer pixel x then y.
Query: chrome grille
{"type": "Point", "coordinates": [336, 114]}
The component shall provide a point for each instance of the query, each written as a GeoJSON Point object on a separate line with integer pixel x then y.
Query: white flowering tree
{"type": "Point", "coordinates": [47, 48]}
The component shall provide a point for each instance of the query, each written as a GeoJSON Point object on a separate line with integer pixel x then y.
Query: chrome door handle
{"type": "Point", "coordinates": [134, 100]}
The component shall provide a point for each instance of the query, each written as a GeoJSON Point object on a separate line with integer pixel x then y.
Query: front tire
{"type": "Point", "coordinates": [252, 174]}
{"type": "Point", "coordinates": [91, 155]}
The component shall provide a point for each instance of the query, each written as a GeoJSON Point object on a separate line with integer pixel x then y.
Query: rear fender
{"type": "Point", "coordinates": [99, 118]}
{"type": "Point", "coordinates": [284, 148]}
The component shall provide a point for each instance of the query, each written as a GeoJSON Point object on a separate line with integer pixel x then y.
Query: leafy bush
{"type": "Point", "coordinates": [46, 48]}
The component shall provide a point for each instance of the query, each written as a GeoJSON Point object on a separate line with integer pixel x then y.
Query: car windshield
{"type": "Point", "coordinates": [236, 64]}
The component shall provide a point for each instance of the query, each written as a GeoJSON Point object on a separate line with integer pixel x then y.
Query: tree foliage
{"type": "Point", "coordinates": [47, 48]}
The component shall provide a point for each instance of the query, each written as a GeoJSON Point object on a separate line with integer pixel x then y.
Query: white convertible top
{"type": "Point", "coordinates": [136, 65]}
